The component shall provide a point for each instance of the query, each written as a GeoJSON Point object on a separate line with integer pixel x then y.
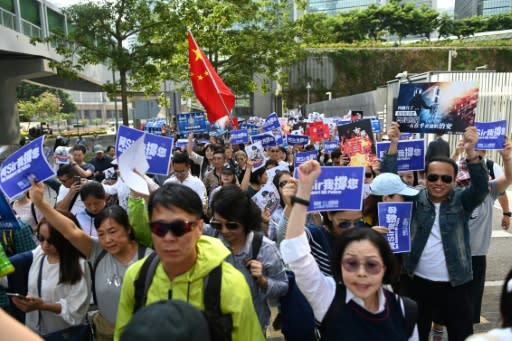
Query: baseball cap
{"type": "Point", "coordinates": [167, 320]}
{"type": "Point", "coordinates": [99, 148]}
{"type": "Point", "coordinates": [390, 183]}
{"type": "Point", "coordinates": [228, 169]}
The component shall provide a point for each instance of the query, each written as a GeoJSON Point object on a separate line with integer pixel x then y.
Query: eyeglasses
{"type": "Point", "coordinates": [230, 225]}
{"type": "Point", "coordinates": [283, 183]}
{"type": "Point", "coordinates": [370, 267]}
{"type": "Point", "coordinates": [42, 239]}
{"type": "Point", "coordinates": [177, 227]}
{"type": "Point", "coordinates": [447, 179]}
{"type": "Point", "coordinates": [345, 224]}
{"type": "Point", "coordinates": [180, 171]}
{"type": "Point", "coordinates": [368, 175]}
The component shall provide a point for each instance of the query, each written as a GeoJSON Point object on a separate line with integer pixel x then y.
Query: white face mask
{"type": "Point", "coordinates": [366, 191]}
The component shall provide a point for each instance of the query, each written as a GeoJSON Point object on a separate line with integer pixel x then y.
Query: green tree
{"type": "Point", "coordinates": [426, 20]}
{"type": "Point", "coordinates": [46, 107]}
{"type": "Point", "coordinates": [446, 26]}
{"type": "Point", "coordinates": [25, 91]}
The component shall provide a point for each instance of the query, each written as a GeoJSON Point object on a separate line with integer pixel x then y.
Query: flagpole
{"type": "Point", "coordinates": [211, 77]}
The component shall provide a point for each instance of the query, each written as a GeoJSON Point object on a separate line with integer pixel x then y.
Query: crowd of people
{"type": "Point", "coordinates": [198, 259]}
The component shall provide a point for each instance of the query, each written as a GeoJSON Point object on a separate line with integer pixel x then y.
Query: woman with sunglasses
{"type": "Point", "coordinates": [353, 305]}
{"type": "Point", "coordinates": [111, 253]}
{"type": "Point", "coordinates": [58, 282]}
{"type": "Point", "coordinates": [236, 220]}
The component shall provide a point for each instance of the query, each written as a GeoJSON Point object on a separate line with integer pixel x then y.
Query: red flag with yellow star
{"type": "Point", "coordinates": [210, 90]}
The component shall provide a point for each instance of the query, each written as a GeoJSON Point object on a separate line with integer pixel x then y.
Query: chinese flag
{"type": "Point", "coordinates": [214, 95]}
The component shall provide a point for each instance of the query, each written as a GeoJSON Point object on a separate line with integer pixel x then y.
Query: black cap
{"type": "Point", "coordinates": [167, 320]}
{"type": "Point", "coordinates": [228, 169]}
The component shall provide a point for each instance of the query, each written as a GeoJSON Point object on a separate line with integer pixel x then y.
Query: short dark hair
{"type": "Point", "coordinates": [117, 214]}
{"type": "Point", "coordinates": [233, 204]}
{"type": "Point", "coordinates": [256, 175]}
{"type": "Point", "coordinates": [92, 188]}
{"type": "Point", "coordinates": [218, 150]}
{"type": "Point", "coordinates": [374, 237]}
{"type": "Point", "coordinates": [67, 170]}
{"type": "Point", "coordinates": [506, 303]}
{"type": "Point", "coordinates": [176, 195]}
{"type": "Point", "coordinates": [445, 160]}
{"type": "Point", "coordinates": [180, 157]}
{"type": "Point", "coordinates": [80, 148]}
{"type": "Point", "coordinates": [109, 147]}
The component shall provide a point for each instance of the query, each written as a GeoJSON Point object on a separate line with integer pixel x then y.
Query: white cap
{"type": "Point", "coordinates": [390, 183]}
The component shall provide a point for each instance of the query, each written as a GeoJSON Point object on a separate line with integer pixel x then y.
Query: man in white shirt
{"type": "Point", "coordinates": [68, 198]}
{"type": "Point", "coordinates": [181, 175]}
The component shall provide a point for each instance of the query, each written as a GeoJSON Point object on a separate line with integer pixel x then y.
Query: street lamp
{"type": "Point", "coordinates": [329, 95]}
{"type": "Point", "coordinates": [451, 54]}
{"type": "Point", "coordinates": [308, 87]}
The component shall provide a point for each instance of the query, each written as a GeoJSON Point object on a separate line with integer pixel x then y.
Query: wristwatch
{"type": "Point", "coordinates": [508, 214]}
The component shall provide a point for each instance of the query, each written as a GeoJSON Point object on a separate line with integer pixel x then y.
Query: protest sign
{"type": "Point", "coordinates": [157, 148]}
{"type": "Point", "coordinates": [133, 159]}
{"type": "Point", "coordinates": [302, 157]}
{"type": "Point", "coordinates": [436, 107]}
{"type": "Point", "coordinates": [375, 124]}
{"type": "Point", "coordinates": [267, 198]}
{"type": "Point", "coordinates": [396, 216]}
{"type": "Point", "coordinates": [411, 154]}
{"type": "Point", "coordinates": [301, 140]}
{"type": "Point", "coordinates": [338, 188]}
{"type": "Point", "coordinates": [239, 136]}
{"type": "Point", "coordinates": [25, 164]}
{"type": "Point", "coordinates": [272, 125]}
{"type": "Point", "coordinates": [181, 144]}
{"type": "Point", "coordinates": [356, 140]}
{"type": "Point", "coordinates": [256, 154]}
{"type": "Point", "coordinates": [109, 173]}
{"type": "Point", "coordinates": [318, 131]}
{"type": "Point", "coordinates": [266, 139]}
{"type": "Point", "coordinates": [491, 135]}
{"type": "Point", "coordinates": [329, 146]}
{"type": "Point", "coordinates": [7, 217]}
{"type": "Point", "coordinates": [191, 122]}
{"type": "Point", "coordinates": [61, 155]}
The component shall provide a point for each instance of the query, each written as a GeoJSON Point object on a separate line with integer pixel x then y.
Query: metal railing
{"type": "Point", "coordinates": [30, 30]}
{"type": "Point", "coordinates": [7, 19]}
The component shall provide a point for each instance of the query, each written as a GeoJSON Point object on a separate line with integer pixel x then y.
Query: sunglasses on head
{"type": "Point", "coordinates": [177, 227]}
{"type": "Point", "coordinates": [345, 224]}
{"type": "Point", "coordinates": [230, 225]}
{"type": "Point", "coordinates": [447, 179]}
{"type": "Point", "coordinates": [371, 267]}
{"type": "Point", "coordinates": [42, 239]}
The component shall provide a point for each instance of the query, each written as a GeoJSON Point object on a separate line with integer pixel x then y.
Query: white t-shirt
{"type": "Point", "coordinates": [194, 183]}
{"type": "Point", "coordinates": [432, 263]}
{"type": "Point", "coordinates": [77, 206]}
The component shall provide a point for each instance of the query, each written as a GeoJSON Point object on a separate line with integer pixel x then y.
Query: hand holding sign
{"type": "Point", "coordinates": [506, 152]}
{"type": "Point", "coordinates": [394, 132]}
{"type": "Point", "coordinates": [470, 140]}
{"type": "Point", "coordinates": [36, 192]}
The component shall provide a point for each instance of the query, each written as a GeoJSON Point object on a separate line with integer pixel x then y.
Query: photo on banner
{"type": "Point", "coordinates": [191, 122]}
{"type": "Point", "coordinates": [357, 141]}
{"type": "Point", "coordinates": [267, 198]}
{"type": "Point", "coordinates": [411, 154]}
{"type": "Point", "coordinates": [436, 107]}
{"type": "Point", "coordinates": [491, 135]}
{"type": "Point", "coordinates": [396, 216]}
{"type": "Point", "coordinates": [256, 154]}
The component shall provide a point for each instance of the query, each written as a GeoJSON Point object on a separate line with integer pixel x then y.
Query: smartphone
{"type": "Point", "coordinates": [76, 179]}
{"type": "Point", "coordinates": [14, 294]}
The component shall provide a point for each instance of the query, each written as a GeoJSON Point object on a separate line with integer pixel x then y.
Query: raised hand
{"type": "Point", "coordinates": [470, 139]}
{"type": "Point", "coordinates": [309, 172]}
{"type": "Point", "coordinates": [36, 192]}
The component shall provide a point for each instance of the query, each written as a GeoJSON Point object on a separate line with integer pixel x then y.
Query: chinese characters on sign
{"type": "Point", "coordinates": [491, 135]}
{"type": "Point", "coordinates": [411, 154]}
{"type": "Point", "coordinates": [396, 216]}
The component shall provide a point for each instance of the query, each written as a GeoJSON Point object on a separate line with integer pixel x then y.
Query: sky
{"type": "Point", "coordinates": [445, 3]}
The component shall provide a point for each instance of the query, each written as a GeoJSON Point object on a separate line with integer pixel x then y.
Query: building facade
{"type": "Point", "coordinates": [336, 6]}
{"type": "Point", "coordinates": [469, 8]}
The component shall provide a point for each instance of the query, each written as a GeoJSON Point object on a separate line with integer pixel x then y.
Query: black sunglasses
{"type": "Point", "coordinates": [368, 175]}
{"type": "Point", "coordinates": [42, 239]}
{"type": "Point", "coordinates": [345, 224]}
{"type": "Point", "coordinates": [230, 225]}
{"type": "Point", "coordinates": [177, 227]}
{"type": "Point", "coordinates": [447, 179]}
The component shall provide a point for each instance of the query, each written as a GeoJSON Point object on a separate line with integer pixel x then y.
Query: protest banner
{"type": "Point", "coordinates": [157, 149]}
{"type": "Point", "coordinates": [396, 216]}
{"type": "Point", "coordinates": [239, 136]}
{"type": "Point", "coordinates": [375, 123]}
{"type": "Point", "coordinates": [25, 164]}
{"type": "Point", "coordinates": [356, 140]}
{"type": "Point", "coordinates": [256, 154]}
{"type": "Point", "coordinates": [491, 135]}
{"type": "Point", "coordinates": [329, 146]}
{"type": "Point", "coordinates": [317, 131]}
{"type": "Point", "coordinates": [7, 216]}
{"type": "Point", "coordinates": [267, 198]}
{"type": "Point", "coordinates": [181, 144]}
{"type": "Point", "coordinates": [266, 139]}
{"type": "Point", "coordinates": [436, 107]}
{"type": "Point", "coordinates": [300, 140]}
{"type": "Point", "coordinates": [337, 188]}
{"type": "Point", "coordinates": [133, 159]}
{"type": "Point", "coordinates": [191, 122]}
{"type": "Point", "coordinates": [411, 154]}
{"type": "Point", "coordinates": [272, 125]}
{"type": "Point", "coordinates": [302, 157]}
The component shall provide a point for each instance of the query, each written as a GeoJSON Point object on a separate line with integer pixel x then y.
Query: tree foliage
{"type": "Point", "coordinates": [26, 91]}
{"type": "Point", "coordinates": [42, 107]}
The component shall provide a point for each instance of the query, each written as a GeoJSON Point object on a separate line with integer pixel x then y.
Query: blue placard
{"type": "Point", "coordinates": [157, 148]}
{"type": "Point", "coordinates": [491, 135]}
{"type": "Point", "coordinates": [271, 122]}
{"type": "Point", "coordinates": [191, 122]}
{"type": "Point", "coordinates": [405, 136]}
{"type": "Point", "coordinates": [7, 217]}
{"type": "Point", "coordinates": [297, 140]}
{"type": "Point", "coordinates": [266, 139]}
{"type": "Point", "coordinates": [302, 157]}
{"type": "Point", "coordinates": [343, 121]}
{"type": "Point", "coordinates": [375, 125]}
{"type": "Point", "coordinates": [411, 154]}
{"type": "Point", "coordinates": [329, 146]}
{"type": "Point", "coordinates": [25, 164]}
{"type": "Point", "coordinates": [396, 216]}
{"type": "Point", "coordinates": [181, 144]}
{"type": "Point", "coordinates": [239, 136]}
{"type": "Point", "coordinates": [338, 188]}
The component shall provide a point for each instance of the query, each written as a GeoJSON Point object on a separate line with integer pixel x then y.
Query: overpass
{"type": "Point", "coordinates": [20, 21]}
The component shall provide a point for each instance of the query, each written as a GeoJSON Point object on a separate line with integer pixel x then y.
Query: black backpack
{"type": "Point", "coordinates": [490, 168]}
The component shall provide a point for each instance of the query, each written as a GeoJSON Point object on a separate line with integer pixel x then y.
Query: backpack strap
{"type": "Point", "coordinates": [144, 280]}
{"type": "Point", "coordinates": [33, 210]}
{"type": "Point", "coordinates": [257, 240]}
{"type": "Point", "coordinates": [141, 251]}
{"type": "Point", "coordinates": [73, 200]}
{"type": "Point", "coordinates": [490, 168]}
{"type": "Point", "coordinates": [220, 325]}
{"type": "Point", "coordinates": [212, 290]}
{"type": "Point", "coordinates": [411, 315]}
{"type": "Point", "coordinates": [93, 273]}
{"type": "Point", "coordinates": [39, 284]}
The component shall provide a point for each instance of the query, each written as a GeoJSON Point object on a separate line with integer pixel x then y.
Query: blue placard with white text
{"type": "Point", "coordinates": [181, 144]}
{"type": "Point", "coordinates": [7, 217]}
{"type": "Point", "coordinates": [157, 148]}
{"type": "Point", "coordinates": [191, 122]}
{"type": "Point", "coordinates": [302, 157]}
{"type": "Point", "coordinates": [297, 140]}
{"type": "Point", "coordinates": [25, 164]}
{"type": "Point", "coordinates": [411, 154]}
{"type": "Point", "coordinates": [239, 136]}
{"type": "Point", "coordinates": [491, 135]}
{"type": "Point", "coordinates": [266, 139]}
{"type": "Point", "coordinates": [396, 216]}
{"type": "Point", "coordinates": [338, 188]}
{"type": "Point", "coordinates": [329, 146]}
{"type": "Point", "coordinates": [271, 122]}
